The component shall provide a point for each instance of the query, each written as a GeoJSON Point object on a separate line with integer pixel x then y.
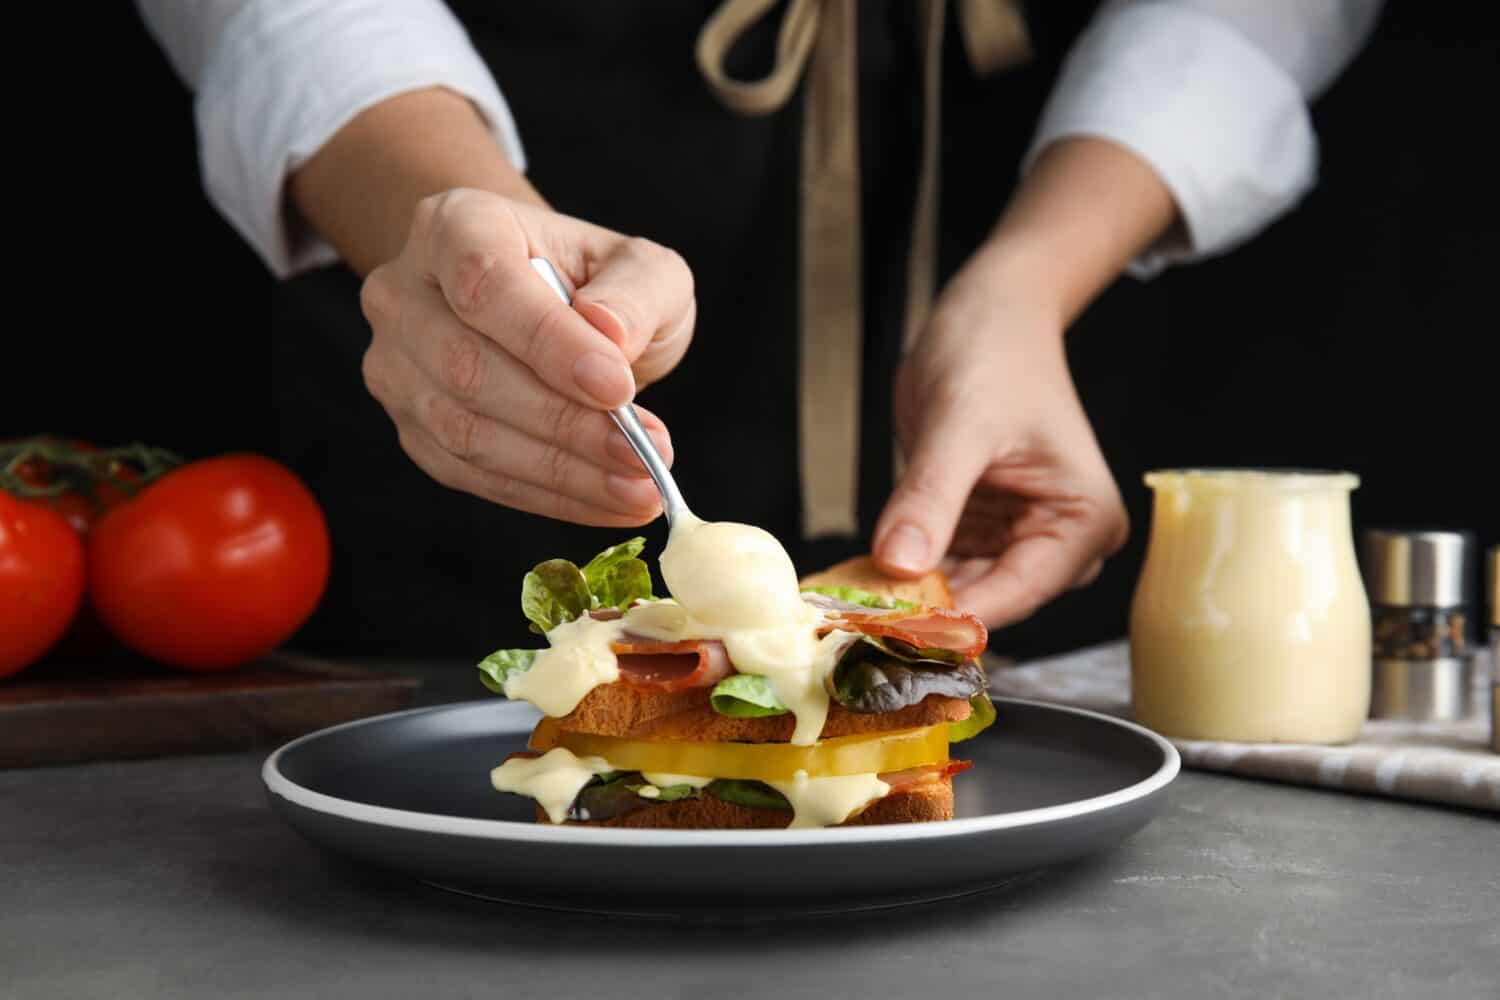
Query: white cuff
{"type": "Point", "coordinates": [1223, 125]}
{"type": "Point", "coordinates": [287, 74]}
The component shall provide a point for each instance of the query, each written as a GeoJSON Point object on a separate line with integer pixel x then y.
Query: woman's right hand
{"type": "Point", "coordinates": [496, 386]}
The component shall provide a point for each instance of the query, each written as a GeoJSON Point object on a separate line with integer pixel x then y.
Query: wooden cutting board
{"type": "Point", "coordinates": [119, 707]}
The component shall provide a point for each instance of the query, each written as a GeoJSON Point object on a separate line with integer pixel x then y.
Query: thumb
{"type": "Point", "coordinates": [917, 524]}
{"type": "Point", "coordinates": [641, 293]}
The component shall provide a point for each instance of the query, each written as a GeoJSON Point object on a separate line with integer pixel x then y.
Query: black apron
{"type": "Point", "coordinates": [620, 129]}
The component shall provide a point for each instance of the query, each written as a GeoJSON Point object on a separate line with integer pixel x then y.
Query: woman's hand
{"type": "Point", "coordinates": [495, 385]}
{"type": "Point", "coordinates": [1005, 485]}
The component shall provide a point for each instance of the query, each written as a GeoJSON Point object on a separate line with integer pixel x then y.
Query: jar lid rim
{"type": "Point", "coordinates": [1261, 478]}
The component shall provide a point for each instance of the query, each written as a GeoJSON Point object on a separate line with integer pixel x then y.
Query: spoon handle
{"type": "Point", "coordinates": [626, 419]}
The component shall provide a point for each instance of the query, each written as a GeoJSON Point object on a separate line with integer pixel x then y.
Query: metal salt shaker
{"type": "Point", "coordinates": [1418, 584]}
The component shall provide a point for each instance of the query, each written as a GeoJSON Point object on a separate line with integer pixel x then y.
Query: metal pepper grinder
{"type": "Point", "coordinates": [1420, 596]}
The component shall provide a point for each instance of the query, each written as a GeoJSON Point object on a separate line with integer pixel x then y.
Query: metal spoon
{"type": "Point", "coordinates": [671, 497]}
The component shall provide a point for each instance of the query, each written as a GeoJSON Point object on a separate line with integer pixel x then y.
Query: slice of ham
{"type": "Point", "coordinates": [654, 665]}
{"type": "Point", "coordinates": [912, 777]}
{"type": "Point", "coordinates": [925, 628]}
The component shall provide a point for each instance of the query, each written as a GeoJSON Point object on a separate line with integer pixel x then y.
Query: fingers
{"type": "Point", "coordinates": [445, 467]}
{"type": "Point", "coordinates": [918, 521]}
{"type": "Point", "coordinates": [498, 387]}
{"type": "Point", "coordinates": [1034, 569]}
{"type": "Point", "coordinates": [474, 248]}
{"type": "Point", "coordinates": [475, 373]}
{"type": "Point", "coordinates": [612, 482]}
{"type": "Point", "coordinates": [639, 295]}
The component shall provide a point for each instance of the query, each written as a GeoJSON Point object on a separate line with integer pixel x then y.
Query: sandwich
{"type": "Point", "coordinates": [747, 699]}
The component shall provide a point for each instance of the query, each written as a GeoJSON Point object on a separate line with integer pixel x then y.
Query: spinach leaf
{"type": "Point", "coordinates": [745, 696]}
{"type": "Point", "coordinates": [754, 794]}
{"type": "Point", "coordinates": [500, 666]}
{"type": "Point", "coordinates": [870, 679]}
{"type": "Point", "coordinates": [607, 799]}
{"type": "Point", "coordinates": [553, 593]}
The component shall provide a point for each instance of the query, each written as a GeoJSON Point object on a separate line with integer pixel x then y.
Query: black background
{"type": "Point", "coordinates": [1356, 333]}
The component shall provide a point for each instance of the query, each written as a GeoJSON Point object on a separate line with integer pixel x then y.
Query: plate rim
{"type": "Point", "coordinates": [510, 830]}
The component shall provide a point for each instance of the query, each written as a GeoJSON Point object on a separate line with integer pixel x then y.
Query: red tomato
{"type": "Point", "coordinates": [92, 484]}
{"type": "Point", "coordinates": [41, 580]}
{"type": "Point", "coordinates": [212, 565]}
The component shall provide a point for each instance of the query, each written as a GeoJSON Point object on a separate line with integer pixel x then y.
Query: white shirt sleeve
{"type": "Point", "coordinates": [275, 79]}
{"type": "Point", "coordinates": [1213, 94]}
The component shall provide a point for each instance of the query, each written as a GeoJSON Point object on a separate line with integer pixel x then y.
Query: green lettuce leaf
{"type": "Point", "coordinates": [755, 794]}
{"type": "Point", "coordinates": [498, 667]}
{"type": "Point", "coordinates": [745, 696]}
{"type": "Point", "coordinates": [553, 593]}
{"type": "Point", "coordinates": [864, 598]}
{"type": "Point", "coordinates": [616, 577]}
{"type": "Point", "coordinates": [981, 717]}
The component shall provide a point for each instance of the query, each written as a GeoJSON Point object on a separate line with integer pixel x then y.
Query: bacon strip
{"type": "Point", "coordinates": [912, 777]}
{"type": "Point", "coordinates": [654, 665]}
{"type": "Point", "coordinates": [925, 628]}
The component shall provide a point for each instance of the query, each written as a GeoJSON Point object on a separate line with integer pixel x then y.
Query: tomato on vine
{"type": "Point", "coordinates": [41, 580]}
{"type": "Point", "coordinates": [203, 566]}
{"type": "Point", "coordinates": [79, 481]}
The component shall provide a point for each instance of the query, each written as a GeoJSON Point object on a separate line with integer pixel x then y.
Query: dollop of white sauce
{"type": "Point", "coordinates": [732, 576]}
{"type": "Point", "coordinates": [736, 583]}
{"type": "Point", "coordinates": [731, 582]}
{"type": "Point", "coordinates": [554, 779]}
{"type": "Point", "coordinates": [829, 801]}
{"type": "Point", "coordinates": [661, 780]}
{"type": "Point", "coordinates": [577, 660]}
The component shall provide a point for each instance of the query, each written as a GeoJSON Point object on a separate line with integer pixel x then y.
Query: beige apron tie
{"type": "Point", "coordinates": [830, 314]}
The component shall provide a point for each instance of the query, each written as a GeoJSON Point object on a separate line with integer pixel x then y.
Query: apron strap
{"type": "Point", "coordinates": [819, 37]}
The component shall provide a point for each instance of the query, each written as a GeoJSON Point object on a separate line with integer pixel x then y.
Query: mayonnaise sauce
{"type": "Point", "coordinates": [577, 660]}
{"type": "Point", "coordinates": [736, 583]}
{"type": "Point", "coordinates": [1250, 621]}
{"type": "Point", "coordinates": [668, 780]}
{"type": "Point", "coordinates": [730, 582]}
{"type": "Point", "coordinates": [733, 576]}
{"type": "Point", "coordinates": [829, 801]}
{"type": "Point", "coordinates": [553, 779]}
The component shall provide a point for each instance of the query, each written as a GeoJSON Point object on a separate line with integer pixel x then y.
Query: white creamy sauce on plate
{"type": "Point", "coordinates": [829, 801]}
{"type": "Point", "coordinates": [554, 779]}
{"type": "Point", "coordinates": [577, 660]}
{"type": "Point", "coordinates": [668, 780]}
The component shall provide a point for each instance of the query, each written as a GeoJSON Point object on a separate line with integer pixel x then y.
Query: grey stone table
{"type": "Point", "coordinates": [172, 878]}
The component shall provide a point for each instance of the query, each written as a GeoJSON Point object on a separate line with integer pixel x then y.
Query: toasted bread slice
{"type": "Point", "coordinates": [929, 591]}
{"type": "Point", "coordinates": [922, 804]}
{"type": "Point", "coordinates": [617, 710]}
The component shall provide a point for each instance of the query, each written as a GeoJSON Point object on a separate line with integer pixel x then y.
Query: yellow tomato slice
{"type": "Point", "coordinates": [865, 754]}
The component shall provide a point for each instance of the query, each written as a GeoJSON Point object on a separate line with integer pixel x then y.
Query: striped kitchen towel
{"type": "Point", "coordinates": [1448, 762]}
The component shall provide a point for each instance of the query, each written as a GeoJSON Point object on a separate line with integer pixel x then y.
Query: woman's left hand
{"type": "Point", "coordinates": [1004, 485]}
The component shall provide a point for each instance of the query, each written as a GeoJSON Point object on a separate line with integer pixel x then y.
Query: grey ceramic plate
{"type": "Point", "coordinates": [410, 792]}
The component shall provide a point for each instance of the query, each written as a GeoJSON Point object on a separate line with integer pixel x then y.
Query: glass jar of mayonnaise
{"type": "Point", "coordinates": [1250, 621]}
